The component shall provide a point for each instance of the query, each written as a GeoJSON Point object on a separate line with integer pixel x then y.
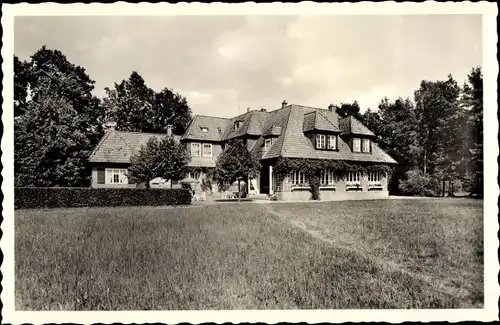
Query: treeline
{"type": "Point", "coordinates": [58, 121]}
{"type": "Point", "coordinates": [437, 138]}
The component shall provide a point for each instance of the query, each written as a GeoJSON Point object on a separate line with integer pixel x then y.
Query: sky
{"type": "Point", "coordinates": [224, 64]}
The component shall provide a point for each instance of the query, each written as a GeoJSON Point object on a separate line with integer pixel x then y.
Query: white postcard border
{"type": "Point", "coordinates": [491, 193]}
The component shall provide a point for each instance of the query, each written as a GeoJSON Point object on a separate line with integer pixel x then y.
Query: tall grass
{"type": "Point", "coordinates": [439, 240]}
{"type": "Point", "coordinates": [234, 256]}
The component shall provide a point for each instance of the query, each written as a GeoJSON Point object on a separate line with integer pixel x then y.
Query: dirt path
{"type": "Point", "coordinates": [384, 264]}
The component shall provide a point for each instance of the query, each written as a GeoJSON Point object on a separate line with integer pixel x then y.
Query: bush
{"type": "Point", "coordinates": [67, 197]}
{"type": "Point", "coordinates": [418, 184]}
{"type": "Point", "coordinates": [187, 186]}
{"type": "Point", "coordinates": [314, 183]}
{"type": "Point", "coordinates": [206, 185]}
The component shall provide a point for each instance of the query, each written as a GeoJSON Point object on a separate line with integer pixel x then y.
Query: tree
{"type": "Point", "coordinates": [21, 80]}
{"type": "Point", "coordinates": [50, 71]}
{"type": "Point", "coordinates": [58, 121]}
{"type": "Point", "coordinates": [235, 163]}
{"type": "Point", "coordinates": [165, 158]}
{"type": "Point", "coordinates": [51, 145]}
{"type": "Point", "coordinates": [171, 109]}
{"type": "Point", "coordinates": [346, 109]}
{"type": "Point", "coordinates": [472, 99]}
{"type": "Point", "coordinates": [442, 118]}
{"type": "Point", "coordinates": [139, 108]}
{"type": "Point", "coordinates": [395, 125]}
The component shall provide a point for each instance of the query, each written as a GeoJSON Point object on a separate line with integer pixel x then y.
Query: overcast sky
{"type": "Point", "coordinates": [224, 64]}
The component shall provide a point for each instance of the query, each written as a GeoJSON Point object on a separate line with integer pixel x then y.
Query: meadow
{"type": "Point", "coordinates": [359, 254]}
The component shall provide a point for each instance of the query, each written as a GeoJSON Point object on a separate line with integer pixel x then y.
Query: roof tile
{"type": "Point", "coordinates": [216, 127]}
{"type": "Point", "coordinates": [351, 125]}
{"type": "Point", "coordinates": [252, 123]}
{"type": "Point", "coordinates": [286, 125]}
{"type": "Point", "coordinates": [118, 146]}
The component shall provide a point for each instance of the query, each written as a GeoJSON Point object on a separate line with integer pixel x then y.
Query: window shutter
{"type": "Point", "coordinates": [101, 176]}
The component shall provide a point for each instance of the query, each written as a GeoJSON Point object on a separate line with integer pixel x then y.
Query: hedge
{"type": "Point", "coordinates": [67, 197]}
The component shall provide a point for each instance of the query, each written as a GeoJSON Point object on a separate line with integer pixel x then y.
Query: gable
{"type": "Point", "coordinates": [206, 128]}
{"type": "Point", "coordinates": [351, 125]}
{"type": "Point", "coordinates": [252, 123]}
{"type": "Point", "coordinates": [320, 120]}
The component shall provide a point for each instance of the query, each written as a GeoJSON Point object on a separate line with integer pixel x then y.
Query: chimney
{"type": "Point", "coordinates": [248, 109]}
{"type": "Point", "coordinates": [108, 126]}
{"type": "Point", "coordinates": [169, 130]}
{"type": "Point", "coordinates": [331, 108]}
{"type": "Point", "coordinates": [283, 105]}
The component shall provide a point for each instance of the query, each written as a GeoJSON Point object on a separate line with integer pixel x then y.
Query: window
{"type": "Point", "coordinates": [195, 149]}
{"type": "Point", "coordinates": [356, 145]}
{"type": "Point", "coordinates": [327, 177]}
{"type": "Point", "coordinates": [207, 150]}
{"type": "Point", "coordinates": [194, 174]}
{"type": "Point", "coordinates": [366, 145]}
{"type": "Point", "coordinates": [237, 125]}
{"type": "Point", "coordinates": [204, 129]}
{"type": "Point", "coordinates": [277, 182]}
{"type": "Point", "coordinates": [374, 178]}
{"type": "Point", "coordinates": [320, 141]}
{"type": "Point", "coordinates": [267, 144]}
{"type": "Point", "coordinates": [299, 178]}
{"type": "Point", "coordinates": [353, 178]}
{"type": "Point", "coordinates": [116, 176]}
{"type": "Point", "coordinates": [331, 142]}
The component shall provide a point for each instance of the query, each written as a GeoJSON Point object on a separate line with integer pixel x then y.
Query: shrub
{"type": "Point", "coordinates": [314, 183]}
{"type": "Point", "coordinates": [418, 184]}
{"type": "Point", "coordinates": [206, 185]}
{"type": "Point", "coordinates": [67, 197]}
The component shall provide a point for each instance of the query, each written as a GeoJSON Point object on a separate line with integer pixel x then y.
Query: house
{"type": "Point", "coordinates": [292, 131]}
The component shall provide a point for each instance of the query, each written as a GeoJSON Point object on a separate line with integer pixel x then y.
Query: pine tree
{"type": "Point", "coordinates": [472, 100]}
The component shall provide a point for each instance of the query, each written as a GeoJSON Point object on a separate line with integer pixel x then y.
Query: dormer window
{"type": "Point", "coordinates": [326, 141]}
{"type": "Point", "coordinates": [237, 125]}
{"type": "Point", "coordinates": [331, 142]}
{"type": "Point", "coordinates": [320, 141]}
{"type": "Point", "coordinates": [366, 145]}
{"type": "Point", "coordinates": [356, 145]}
{"type": "Point", "coordinates": [204, 129]}
{"type": "Point", "coordinates": [267, 144]}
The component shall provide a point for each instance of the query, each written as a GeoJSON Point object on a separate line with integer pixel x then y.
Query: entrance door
{"type": "Point", "coordinates": [264, 180]}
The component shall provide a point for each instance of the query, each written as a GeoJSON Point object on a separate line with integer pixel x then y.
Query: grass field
{"type": "Point", "coordinates": [358, 254]}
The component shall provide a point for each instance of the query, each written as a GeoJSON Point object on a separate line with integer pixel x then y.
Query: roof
{"type": "Point", "coordinates": [278, 119]}
{"type": "Point", "coordinates": [252, 123]}
{"type": "Point", "coordinates": [321, 120]}
{"type": "Point", "coordinates": [293, 143]}
{"type": "Point", "coordinates": [285, 125]}
{"type": "Point", "coordinates": [351, 125]}
{"type": "Point", "coordinates": [215, 125]}
{"type": "Point", "coordinates": [118, 146]}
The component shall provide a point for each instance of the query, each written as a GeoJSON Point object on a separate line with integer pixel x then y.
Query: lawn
{"type": "Point", "coordinates": [358, 254]}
